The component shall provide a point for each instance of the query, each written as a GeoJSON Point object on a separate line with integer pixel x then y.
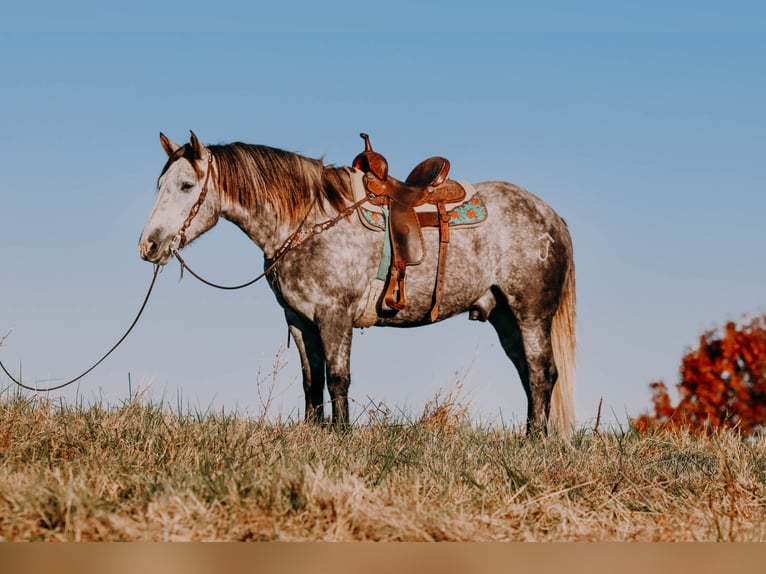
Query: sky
{"type": "Point", "coordinates": [642, 124]}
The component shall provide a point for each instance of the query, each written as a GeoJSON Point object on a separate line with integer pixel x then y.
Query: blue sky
{"type": "Point", "coordinates": [643, 125]}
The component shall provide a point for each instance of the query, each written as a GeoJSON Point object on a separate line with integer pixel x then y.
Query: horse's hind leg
{"type": "Point", "coordinates": [528, 345]}
{"type": "Point", "coordinates": [306, 337]}
{"type": "Point", "coordinates": [508, 331]}
{"type": "Point", "coordinates": [538, 351]}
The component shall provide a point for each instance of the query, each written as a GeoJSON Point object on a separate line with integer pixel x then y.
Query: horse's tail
{"type": "Point", "coordinates": [562, 414]}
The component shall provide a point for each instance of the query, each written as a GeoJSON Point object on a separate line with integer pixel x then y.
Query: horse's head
{"type": "Point", "coordinates": [185, 207]}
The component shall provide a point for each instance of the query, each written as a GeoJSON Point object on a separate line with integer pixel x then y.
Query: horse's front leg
{"type": "Point", "coordinates": [311, 351]}
{"type": "Point", "coordinates": [335, 330]}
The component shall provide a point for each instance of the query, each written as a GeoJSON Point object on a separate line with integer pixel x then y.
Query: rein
{"type": "Point", "coordinates": [299, 236]}
{"type": "Point", "coordinates": [97, 363]}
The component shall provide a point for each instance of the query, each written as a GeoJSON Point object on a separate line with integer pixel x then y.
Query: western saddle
{"type": "Point", "coordinates": [426, 184]}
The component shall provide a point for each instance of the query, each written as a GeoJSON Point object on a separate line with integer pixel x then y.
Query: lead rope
{"type": "Point", "coordinates": [97, 363]}
{"type": "Point", "coordinates": [178, 242]}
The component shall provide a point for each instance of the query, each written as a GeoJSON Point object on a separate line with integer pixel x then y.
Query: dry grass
{"type": "Point", "coordinates": [143, 472]}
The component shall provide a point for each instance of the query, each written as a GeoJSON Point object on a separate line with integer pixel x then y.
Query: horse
{"type": "Point", "coordinates": [514, 271]}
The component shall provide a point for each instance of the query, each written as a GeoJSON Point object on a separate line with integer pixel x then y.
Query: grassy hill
{"type": "Point", "coordinates": [143, 472]}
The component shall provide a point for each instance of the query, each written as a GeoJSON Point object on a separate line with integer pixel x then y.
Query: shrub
{"type": "Point", "coordinates": [723, 384]}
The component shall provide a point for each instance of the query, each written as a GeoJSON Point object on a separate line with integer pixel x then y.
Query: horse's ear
{"type": "Point", "coordinates": [196, 146]}
{"type": "Point", "coordinates": [168, 145]}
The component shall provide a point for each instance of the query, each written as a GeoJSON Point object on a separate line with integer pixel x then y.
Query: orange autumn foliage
{"type": "Point", "coordinates": [723, 384]}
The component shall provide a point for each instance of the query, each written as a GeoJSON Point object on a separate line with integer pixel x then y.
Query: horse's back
{"type": "Point", "coordinates": [513, 209]}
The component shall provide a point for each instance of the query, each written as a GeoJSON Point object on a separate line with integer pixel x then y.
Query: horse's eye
{"type": "Point", "coordinates": [186, 186]}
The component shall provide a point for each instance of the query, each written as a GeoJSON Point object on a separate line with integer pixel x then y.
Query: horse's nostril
{"type": "Point", "coordinates": [147, 247]}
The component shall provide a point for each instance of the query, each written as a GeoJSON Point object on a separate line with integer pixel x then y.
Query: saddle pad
{"type": "Point", "coordinates": [469, 212]}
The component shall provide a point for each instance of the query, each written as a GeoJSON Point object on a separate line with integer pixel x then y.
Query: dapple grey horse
{"type": "Point", "coordinates": [515, 270]}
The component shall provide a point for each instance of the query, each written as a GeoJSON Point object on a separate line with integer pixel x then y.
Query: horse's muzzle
{"type": "Point", "coordinates": [153, 250]}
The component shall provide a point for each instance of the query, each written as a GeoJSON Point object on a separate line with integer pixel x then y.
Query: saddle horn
{"type": "Point", "coordinates": [370, 160]}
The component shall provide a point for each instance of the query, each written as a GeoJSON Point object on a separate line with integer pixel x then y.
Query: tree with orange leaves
{"type": "Point", "coordinates": [723, 384]}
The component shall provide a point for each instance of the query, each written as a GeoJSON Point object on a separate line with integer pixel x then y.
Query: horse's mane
{"type": "Point", "coordinates": [251, 175]}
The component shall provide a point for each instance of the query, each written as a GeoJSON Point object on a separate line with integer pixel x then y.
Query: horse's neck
{"type": "Point", "coordinates": [264, 226]}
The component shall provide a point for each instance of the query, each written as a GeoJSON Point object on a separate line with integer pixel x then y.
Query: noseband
{"type": "Point", "coordinates": [179, 240]}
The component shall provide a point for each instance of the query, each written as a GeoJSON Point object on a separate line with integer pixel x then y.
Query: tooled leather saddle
{"type": "Point", "coordinates": [427, 183]}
